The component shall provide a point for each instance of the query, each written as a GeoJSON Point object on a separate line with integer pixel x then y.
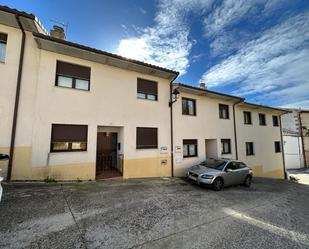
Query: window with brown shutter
{"type": "Point", "coordinates": [72, 76]}
{"type": "Point", "coordinates": [189, 147]}
{"type": "Point", "coordinates": [262, 119]}
{"type": "Point", "coordinates": [247, 118]}
{"type": "Point", "coordinates": [146, 138]}
{"type": "Point", "coordinates": [3, 41]}
{"type": "Point", "coordinates": [147, 89]}
{"type": "Point", "coordinates": [226, 146]}
{"type": "Point", "coordinates": [67, 137]}
{"type": "Point", "coordinates": [188, 107]}
{"type": "Point", "coordinates": [224, 111]}
{"type": "Point", "coordinates": [275, 121]}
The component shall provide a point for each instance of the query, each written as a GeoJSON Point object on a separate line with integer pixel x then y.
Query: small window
{"type": "Point", "coordinates": [275, 121]}
{"type": "Point", "coordinates": [189, 147]}
{"type": "Point", "coordinates": [247, 118]}
{"type": "Point", "coordinates": [146, 138]}
{"type": "Point", "coordinates": [68, 138]}
{"type": "Point", "coordinates": [72, 76]}
{"type": "Point", "coordinates": [249, 149]}
{"type": "Point", "coordinates": [277, 146]}
{"type": "Point", "coordinates": [188, 107]}
{"type": "Point", "coordinates": [147, 89]}
{"type": "Point", "coordinates": [224, 111]}
{"type": "Point", "coordinates": [233, 165]}
{"type": "Point", "coordinates": [262, 119]}
{"type": "Point", "coordinates": [226, 146]}
{"type": "Point", "coordinates": [3, 41]}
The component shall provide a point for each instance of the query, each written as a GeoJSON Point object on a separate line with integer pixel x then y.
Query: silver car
{"type": "Point", "coordinates": [219, 173]}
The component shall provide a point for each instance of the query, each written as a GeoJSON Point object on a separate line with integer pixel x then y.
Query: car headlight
{"type": "Point", "coordinates": [207, 176]}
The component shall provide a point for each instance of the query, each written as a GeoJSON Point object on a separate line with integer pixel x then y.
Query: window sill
{"type": "Point", "coordinates": [147, 148]}
{"type": "Point", "coordinates": [71, 88]}
{"type": "Point", "coordinates": [248, 124]}
{"type": "Point", "coordinates": [189, 156]}
{"type": "Point", "coordinates": [226, 153]}
{"type": "Point", "coordinates": [152, 100]}
{"type": "Point", "coordinates": [251, 155]}
{"type": "Point", "coordinates": [225, 118]}
{"type": "Point", "coordinates": [66, 151]}
{"type": "Point", "coordinates": [191, 115]}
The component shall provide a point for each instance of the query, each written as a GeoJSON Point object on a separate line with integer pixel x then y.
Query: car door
{"type": "Point", "coordinates": [230, 175]}
{"type": "Point", "coordinates": [243, 171]}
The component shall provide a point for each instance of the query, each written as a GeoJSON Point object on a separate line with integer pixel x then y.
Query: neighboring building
{"type": "Point", "coordinates": [72, 112]}
{"type": "Point", "coordinates": [295, 138]}
{"type": "Point", "coordinates": [204, 128]}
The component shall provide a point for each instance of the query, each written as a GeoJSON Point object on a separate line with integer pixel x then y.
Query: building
{"type": "Point", "coordinates": [73, 112]}
{"type": "Point", "coordinates": [295, 124]}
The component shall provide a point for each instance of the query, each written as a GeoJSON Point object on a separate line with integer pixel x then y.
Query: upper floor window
{"type": "Point", "coordinates": [67, 137]}
{"type": "Point", "coordinates": [275, 121]}
{"type": "Point", "coordinates": [224, 111]}
{"type": "Point", "coordinates": [247, 118]}
{"type": "Point", "coordinates": [188, 107]}
{"type": "Point", "coordinates": [147, 89]}
{"type": "Point", "coordinates": [277, 146]}
{"type": "Point", "coordinates": [3, 40]}
{"type": "Point", "coordinates": [72, 76]}
{"type": "Point", "coordinates": [189, 147]}
{"type": "Point", "coordinates": [262, 118]}
{"type": "Point", "coordinates": [249, 148]}
{"type": "Point", "coordinates": [226, 146]}
{"type": "Point", "coordinates": [146, 138]}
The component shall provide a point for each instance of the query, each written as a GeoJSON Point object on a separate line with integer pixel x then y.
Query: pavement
{"type": "Point", "coordinates": [154, 213]}
{"type": "Point", "coordinates": [302, 175]}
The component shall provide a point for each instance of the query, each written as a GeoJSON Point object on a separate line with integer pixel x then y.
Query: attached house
{"type": "Point", "coordinates": [71, 112]}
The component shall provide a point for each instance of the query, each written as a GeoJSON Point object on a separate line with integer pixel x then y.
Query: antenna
{"type": "Point", "coordinates": [65, 25]}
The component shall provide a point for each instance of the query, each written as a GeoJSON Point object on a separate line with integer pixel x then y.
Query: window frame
{"type": "Point", "coordinates": [223, 107]}
{"type": "Point", "coordinates": [275, 124]}
{"type": "Point", "coordinates": [278, 149]}
{"type": "Point", "coordinates": [147, 94]}
{"type": "Point", "coordinates": [226, 140]}
{"type": "Point", "coordinates": [187, 100]}
{"type": "Point", "coordinates": [73, 78]}
{"type": "Point", "coordinates": [52, 150]}
{"type": "Point", "coordinates": [251, 151]}
{"type": "Point", "coordinates": [250, 118]}
{"type": "Point", "coordinates": [188, 142]}
{"type": "Point", "coordinates": [264, 119]}
{"type": "Point", "coordinates": [146, 146]}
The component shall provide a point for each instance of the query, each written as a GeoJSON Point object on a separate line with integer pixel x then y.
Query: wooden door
{"type": "Point", "coordinates": [106, 151]}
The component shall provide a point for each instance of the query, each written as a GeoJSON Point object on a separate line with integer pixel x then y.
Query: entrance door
{"type": "Point", "coordinates": [107, 158]}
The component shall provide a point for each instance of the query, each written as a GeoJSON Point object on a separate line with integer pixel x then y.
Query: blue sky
{"type": "Point", "coordinates": [258, 49]}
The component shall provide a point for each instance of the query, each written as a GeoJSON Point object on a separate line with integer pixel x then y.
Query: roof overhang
{"type": "Point", "coordinates": [261, 107]}
{"type": "Point", "coordinates": [86, 53]}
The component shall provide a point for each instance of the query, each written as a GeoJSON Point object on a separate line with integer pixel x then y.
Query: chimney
{"type": "Point", "coordinates": [203, 85]}
{"type": "Point", "coordinates": [57, 32]}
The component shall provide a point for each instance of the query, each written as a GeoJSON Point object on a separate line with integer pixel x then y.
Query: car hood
{"type": "Point", "coordinates": [199, 169]}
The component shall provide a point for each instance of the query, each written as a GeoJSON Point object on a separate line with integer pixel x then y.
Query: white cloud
{"type": "Point", "coordinates": [277, 59]}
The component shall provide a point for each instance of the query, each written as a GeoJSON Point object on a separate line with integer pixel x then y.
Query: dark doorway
{"type": "Point", "coordinates": [108, 164]}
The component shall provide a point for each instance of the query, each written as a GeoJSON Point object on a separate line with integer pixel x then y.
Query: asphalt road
{"type": "Point", "coordinates": [154, 213]}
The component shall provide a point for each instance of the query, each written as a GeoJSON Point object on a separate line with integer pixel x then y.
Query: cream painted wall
{"type": "Point", "coordinates": [205, 125]}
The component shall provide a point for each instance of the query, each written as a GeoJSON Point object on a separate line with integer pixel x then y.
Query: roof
{"type": "Point", "coordinates": [15, 11]}
{"type": "Point", "coordinates": [265, 107]}
{"type": "Point", "coordinates": [76, 52]}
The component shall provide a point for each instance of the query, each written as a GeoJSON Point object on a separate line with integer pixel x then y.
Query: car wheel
{"type": "Point", "coordinates": [248, 180]}
{"type": "Point", "coordinates": [217, 184]}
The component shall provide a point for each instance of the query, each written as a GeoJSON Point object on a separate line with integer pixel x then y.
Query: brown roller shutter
{"type": "Point", "coordinates": [147, 86]}
{"type": "Point", "coordinates": [72, 70]}
{"type": "Point", "coordinates": [69, 133]}
{"type": "Point", "coordinates": [3, 38]}
{"type": "Point", "coordinates": [190, 141]}
{"type": "Point", "coordinates": [146, 138]}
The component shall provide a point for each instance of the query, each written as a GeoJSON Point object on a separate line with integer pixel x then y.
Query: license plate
{"type": "Point", "coordinates": [192, 177]}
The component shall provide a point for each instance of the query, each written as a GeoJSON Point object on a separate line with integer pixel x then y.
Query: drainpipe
{"type": "Point", "coordinates": [18, 84]}
{"type": "Point", "coordinates": [235, 133]}
{"type": "Point", "coordinates": [282, 148]}
{"type": "Point", "coordinates": [302, 138]}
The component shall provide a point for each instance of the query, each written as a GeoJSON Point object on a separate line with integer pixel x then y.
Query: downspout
{"type": "Point", "coordinates": [235, 132]}
{"type": "Point", "coordinates": [302, 138]}
{"type": "Point", "coordinates": [282, 147]}
{"type": "Point", "coordinates": [18, 85]}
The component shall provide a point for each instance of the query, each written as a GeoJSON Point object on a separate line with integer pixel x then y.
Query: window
{"type": "Point", "coordinates": [147, 89]}
{"type": "Point", "coordinates": [188, 107]}
{"type": "Point", "coordinates": [66, 137]}
{"type": "Point", "coordinates": [189, 147]}
{"type": "Point", "coordinates": [224, 111]}
{"type": "Point", "coordinates": [146, 138]}
{"type": "Point", "coordinates": [277, 146]}
{"type": "Point", "coordinates": [72, 76]}
{"type": "Point", "coordinates": [225, 146]}
{"type": "Point", "coordinates": [275, 121]}
{"type": "Point", "coordinates": [262, 118]}
{"type": "Point", "coordinates": [233, 166]}
{"type": "Point", "coordinates": [247, 118]}
{"type": "Point", "coordinates": [3, 40]}
{"type": "Point", "coordinates": [249, 149]}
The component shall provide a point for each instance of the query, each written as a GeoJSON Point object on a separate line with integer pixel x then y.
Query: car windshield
{"type": "Point", "coordinates": [214, 164]}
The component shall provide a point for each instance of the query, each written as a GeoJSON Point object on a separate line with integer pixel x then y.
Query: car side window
{"type": "Point", "coordinates": [232, 166]}
{"type": "Point", "coordinates": [242, 165]}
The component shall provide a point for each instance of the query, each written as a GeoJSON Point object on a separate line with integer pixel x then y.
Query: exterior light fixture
{"type": "Point", "coordinates": [175, 95]}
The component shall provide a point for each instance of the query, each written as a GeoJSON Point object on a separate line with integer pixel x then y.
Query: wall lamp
{"type": "Point", "coordinates": [175, 95]}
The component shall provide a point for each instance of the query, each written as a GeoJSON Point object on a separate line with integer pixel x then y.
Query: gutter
{"type": "Point", "coordinates": [282, 148]}
{"type": "Point", "coordinates": [235, 132]}
{"type": "Point", "coordinates": [18, 85]}
{"type": "Point", "coordinates": [302, 138]}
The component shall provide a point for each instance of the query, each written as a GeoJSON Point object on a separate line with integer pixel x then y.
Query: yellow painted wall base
{"type": "Point", "coordinates": [259, 170]}
{"type": "Point", "coordinates": [147, 167]}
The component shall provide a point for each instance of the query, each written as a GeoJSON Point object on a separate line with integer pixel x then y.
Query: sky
{"type": "Point", "coordinates": [257, 49]}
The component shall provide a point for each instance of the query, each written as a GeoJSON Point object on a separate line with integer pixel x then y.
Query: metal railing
{"type": "Point", "coordinates": [110, 162]}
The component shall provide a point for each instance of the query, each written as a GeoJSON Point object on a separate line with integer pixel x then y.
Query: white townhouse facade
{"type": "Point", "coordinates": [70, 112]}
